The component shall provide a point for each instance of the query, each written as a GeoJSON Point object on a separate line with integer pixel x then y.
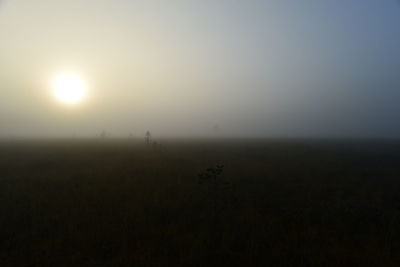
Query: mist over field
{"type": "Point", "coordinates": [199, 133]}
{"type": "Point", "coordinates": [186, 68]}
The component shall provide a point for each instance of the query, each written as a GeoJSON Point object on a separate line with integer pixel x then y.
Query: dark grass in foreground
{"type": "Point", "coordinates": [119, 203]}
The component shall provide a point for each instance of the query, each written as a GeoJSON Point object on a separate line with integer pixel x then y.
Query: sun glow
{"type": "Point", "coordinates": [69, 88]}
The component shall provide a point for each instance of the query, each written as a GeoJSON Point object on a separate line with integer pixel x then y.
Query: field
{"type": "Point", "coordinates": [273, 203]}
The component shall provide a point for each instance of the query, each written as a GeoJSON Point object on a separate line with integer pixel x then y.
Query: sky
{"type": "Point", "coordinates": [272, 68]}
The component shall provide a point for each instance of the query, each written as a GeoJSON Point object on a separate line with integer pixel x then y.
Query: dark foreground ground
{"type": "Point", "coordinates": [276, 203]}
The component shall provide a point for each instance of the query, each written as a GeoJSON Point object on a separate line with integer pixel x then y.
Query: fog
{"type": "Point", "coordinates": [277, 68]}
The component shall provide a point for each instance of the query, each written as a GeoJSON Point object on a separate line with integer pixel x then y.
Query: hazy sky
{"type": "Point", "coordinates": [178, 67]}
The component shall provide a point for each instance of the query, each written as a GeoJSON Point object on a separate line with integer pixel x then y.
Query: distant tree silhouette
{"type": "Point", "coordinates": [147, 138]}
{"type": "Point", "coordinates": [103, 134]}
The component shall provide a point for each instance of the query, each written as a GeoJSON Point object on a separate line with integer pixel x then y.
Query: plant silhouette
{"type": "Point", "coordinates": [147, 138]}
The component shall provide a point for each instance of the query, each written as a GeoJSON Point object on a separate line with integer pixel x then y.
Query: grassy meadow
{"type": "Point", "coordinates": [268, 203]}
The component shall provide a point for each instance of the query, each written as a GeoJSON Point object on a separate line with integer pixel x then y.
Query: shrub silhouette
{"type": "Point", "coordinates": [216, 186]}
{"type": "Point", "coordinates": [211, 174]}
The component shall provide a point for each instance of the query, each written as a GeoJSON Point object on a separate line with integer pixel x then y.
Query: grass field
{"type": "Point", "coordinates": [275, 203]}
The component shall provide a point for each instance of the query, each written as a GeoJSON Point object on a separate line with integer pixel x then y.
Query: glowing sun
{"type": "Point", "coordinates": [69, 88]}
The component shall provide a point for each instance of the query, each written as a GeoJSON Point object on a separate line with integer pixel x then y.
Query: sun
{"type": "Point", "coordinates": [69, 88]}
